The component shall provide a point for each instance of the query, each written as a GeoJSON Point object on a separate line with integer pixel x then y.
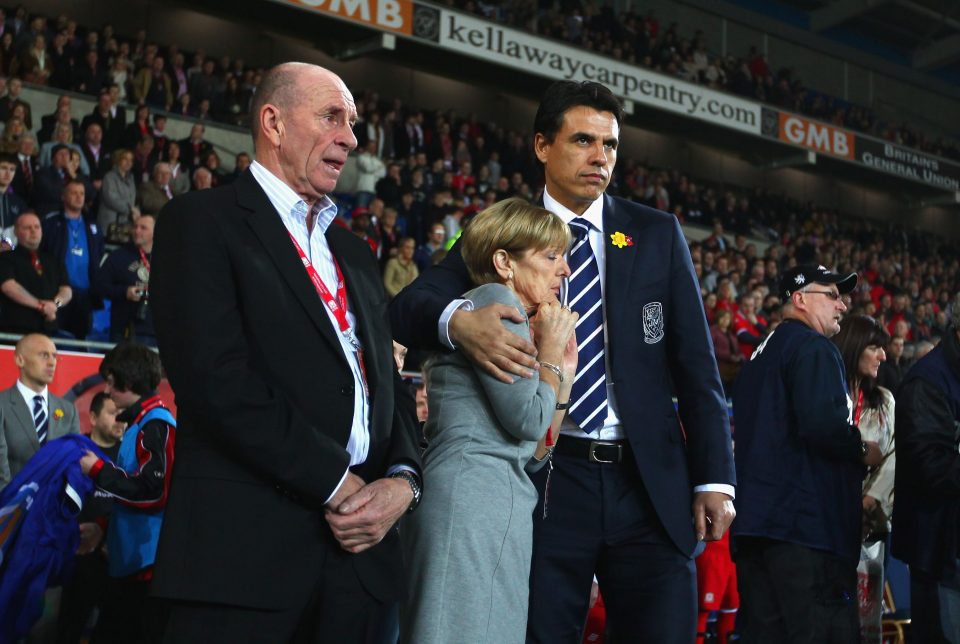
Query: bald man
{"type": "Point", "coordinates": [297, 450]}
{"type": "Point", "coordinates": [29, 413]}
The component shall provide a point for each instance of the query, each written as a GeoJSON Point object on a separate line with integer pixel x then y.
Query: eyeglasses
{"type": "Point", "coordinates": [831, 294]}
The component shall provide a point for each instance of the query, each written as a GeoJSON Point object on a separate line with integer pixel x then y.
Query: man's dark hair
{"type": "Point", "coordinates": [857, 332]}
{"type": "Point", "coordinates": [564, 95]}
{"type": "Point", "coordinates": [96, 403]}
{"type": "Point", "coordinates": [134, 368]}
{"type": "Point", "coordinates": [9, 157]}
{"type": "Point", "coordinates": [71, 182]}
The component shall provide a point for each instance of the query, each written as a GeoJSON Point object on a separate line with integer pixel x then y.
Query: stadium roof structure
{"type": "Point", "coordinates": [922, 35]}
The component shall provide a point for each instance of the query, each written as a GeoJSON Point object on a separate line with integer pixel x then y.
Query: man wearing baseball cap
{"type": "Point", "coordinates": [800, 464]}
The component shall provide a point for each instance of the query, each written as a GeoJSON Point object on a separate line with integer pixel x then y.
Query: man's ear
{"type": "Point", "coordinates": [541, 147]}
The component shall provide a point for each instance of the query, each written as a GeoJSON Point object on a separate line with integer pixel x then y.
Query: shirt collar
{"type": "Point", "coordinates": [29, 393]}
{"type": "Point", "coordinates": [285, 201]}
{"type": "Point", "coordinates": [593, 213]}
{"type": "Point", "coordinates": [134, 412]}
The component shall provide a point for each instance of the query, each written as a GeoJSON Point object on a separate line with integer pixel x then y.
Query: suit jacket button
{"type": "Point", "coordinates": [347, 390]}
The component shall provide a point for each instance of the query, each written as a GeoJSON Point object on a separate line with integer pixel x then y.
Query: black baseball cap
{"type": "Point", "coordinates": [805, 274]}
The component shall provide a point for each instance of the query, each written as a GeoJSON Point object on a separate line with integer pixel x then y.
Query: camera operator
{"type": "Point", "coordinates": [124, 279]}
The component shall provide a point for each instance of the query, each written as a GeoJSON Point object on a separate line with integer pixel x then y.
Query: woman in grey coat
{"type": "Point", "coordinates": [469, 544]}
{"type": "Point", "coordinates": [119, 193]}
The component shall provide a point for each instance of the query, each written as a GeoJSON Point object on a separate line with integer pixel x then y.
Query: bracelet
{"type": "Point", "coordinates": [561, 406]}
{"type": "Point", "coordinates": [546, 456]}
{"type": "Point", "coordinates": [554, 368]}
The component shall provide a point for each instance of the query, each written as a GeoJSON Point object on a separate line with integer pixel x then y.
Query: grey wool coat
{"type": "Point", "coordinates": [469, 543]}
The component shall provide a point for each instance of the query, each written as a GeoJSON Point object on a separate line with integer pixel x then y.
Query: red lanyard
{"type": "Point", "coordinates": [35, 260]}
{"type": "Point", "coordinates": [337, 306]}
{"type": "Point", "coordinates": [859, 408]}
{"type": "Point", "coordinates": [143, 259]}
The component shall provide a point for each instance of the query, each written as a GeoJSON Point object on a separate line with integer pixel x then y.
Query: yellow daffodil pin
{"type": "Point", "coordinates": [620, 240]}
{"type": "Point", "coordinates": [58, 413]}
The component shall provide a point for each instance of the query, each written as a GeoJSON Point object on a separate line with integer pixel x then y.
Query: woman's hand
{"type": "Point", "coordinates": [570, 356]}
{"type": "Point", "coordinates": [552, 326]}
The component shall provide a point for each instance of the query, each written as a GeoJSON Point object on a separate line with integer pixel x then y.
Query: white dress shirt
{"type": "Point", "coordinates": [293, 213]}
{"type": "Point", "coordinates": [28, 395]}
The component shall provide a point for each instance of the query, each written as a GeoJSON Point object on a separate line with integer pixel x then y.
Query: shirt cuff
{"type": "Point", "coordinates": [729, 490]}
{"type": "Point", "coordinates": [95, 468]}
{"type": "Point", "coordinates": [443, 325]}
{"type": "Point", "coordinates": [339, 485]}
{"type": "Point", "coordinates": [404, 468]}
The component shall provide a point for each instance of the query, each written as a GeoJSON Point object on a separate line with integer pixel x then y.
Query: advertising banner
{"type": "Point", "coordinates": [481, 39]}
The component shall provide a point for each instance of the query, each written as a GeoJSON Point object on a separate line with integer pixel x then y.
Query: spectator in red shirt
{"type": "Point", "coordinates": [749, 326]}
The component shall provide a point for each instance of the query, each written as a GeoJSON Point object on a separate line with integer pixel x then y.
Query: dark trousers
{"type": "Point", "coordinates": [75, 316]}
{"type": "Point", "coordinates": [600, 521]}
{"type": "Point", "coordinates": [934, 609]}
{"type": "Point", "coordinates": [127, 614]}
{"type": "Point", "coordinates": [791, 594]}
{"type": "Point", "coordinates": [80, 596]}
{"type": "Point", "coordinates": [340, 610]}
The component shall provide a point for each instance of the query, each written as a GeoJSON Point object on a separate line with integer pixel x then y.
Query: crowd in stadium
{"type": "Point", "coordinates": [80, 194]}
{"type": "Point", "coordinates": [418, 168]}
{"type": "Point", "coordinates": [640, 38]}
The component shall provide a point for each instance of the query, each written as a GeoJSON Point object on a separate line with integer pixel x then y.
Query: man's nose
{"type": "Point", "coordinates": [599, 154]}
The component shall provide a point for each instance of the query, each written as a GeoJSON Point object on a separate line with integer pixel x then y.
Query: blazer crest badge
{"type": "Point", "coordinates": [652, 322]}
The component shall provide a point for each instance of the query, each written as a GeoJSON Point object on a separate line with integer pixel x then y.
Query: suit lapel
{"type": "Point", "coordinates": [267, 226]}
{"type": "Point", "coordinates": [55, 426]}
{"type": "Point", "coordinates": [619, 261]}
{"type": "Point", "coordinates": [23, 415]}
{"type": "Point", "coordinates": [361, 295]}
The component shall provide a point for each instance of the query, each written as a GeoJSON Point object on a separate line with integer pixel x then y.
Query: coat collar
{"type": "Point", "coordinates": [24, 416]}
{"type": "Point", "coordinates": [269, 229]}
{"type": "Point", "coordinates": [620, 262]}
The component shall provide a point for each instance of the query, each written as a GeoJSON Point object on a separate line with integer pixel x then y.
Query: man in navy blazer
{"type": "Point", "coordinates": [631, 493]}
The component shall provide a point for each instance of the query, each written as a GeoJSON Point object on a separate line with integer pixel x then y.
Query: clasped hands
{"type": "Point", "coordinates": [361, 513]}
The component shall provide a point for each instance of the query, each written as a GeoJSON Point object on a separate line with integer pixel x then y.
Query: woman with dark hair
{"type": "Point", "coordinates": [726, 348]}
{"type": "Point", "coordinates": [861, 341]}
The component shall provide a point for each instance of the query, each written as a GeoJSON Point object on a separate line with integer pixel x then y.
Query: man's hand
{"type": "Point", "coordinates": [713, 510]}
{"type": "Point", "coordinates": [351, 485]}
{"type": "Point", "coordinates": [49, 310]}
{"type": "Point", "coordinates": [90, 536]}
{"type": "Point", "coordinates": [486, 343]}
{"type": "Point", "coordinates": [134, 293]}
{"type": "Point", "coordinates": [362, 520]}
{"type": "Point", "coordinates": [87, 461]}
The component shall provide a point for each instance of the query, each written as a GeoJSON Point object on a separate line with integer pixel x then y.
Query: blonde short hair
{"type": "Point", "coordinates": [513, 225]}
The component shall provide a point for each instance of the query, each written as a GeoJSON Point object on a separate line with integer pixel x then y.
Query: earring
{"type": "Point", "coordinates": [510, 275]}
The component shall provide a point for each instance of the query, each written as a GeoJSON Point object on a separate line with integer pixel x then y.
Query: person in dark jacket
{"type": "Point", "coordinates": [800, 469]}
{"type": "Point", "coordinates": [70, 238]}
{"type": "Point", "coordinates": [11, 205]}
{"type": "Point", "coordinates": [926, 525]}
{"type": "Point", "coordinates": [139, 482]}
{"type": "Point", "coordinates": [84, 592]}
{"type": "Point", "coordinates": [124, 279]}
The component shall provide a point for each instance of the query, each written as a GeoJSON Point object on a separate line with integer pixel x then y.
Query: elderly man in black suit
{"type": "Point", "coordinates": [297, 448]}
{"type": "Point", "coordinates": [631, 493]}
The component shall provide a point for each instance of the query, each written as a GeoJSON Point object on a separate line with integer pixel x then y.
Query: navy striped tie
{"type": "Point", "coordinates": [588, 398]}
{"type": "Point", "coordinates": [40, 418]}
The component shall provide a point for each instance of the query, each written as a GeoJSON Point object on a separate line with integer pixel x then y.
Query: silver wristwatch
{"type": "Point", "coordinates": [414, 482]}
